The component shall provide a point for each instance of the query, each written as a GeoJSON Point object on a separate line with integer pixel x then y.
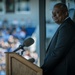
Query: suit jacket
{"type": "Point", "coordinates": [60, 55]}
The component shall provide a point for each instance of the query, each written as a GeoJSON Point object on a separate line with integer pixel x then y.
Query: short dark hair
{"type": "Point", "coordinates": [62, 6]}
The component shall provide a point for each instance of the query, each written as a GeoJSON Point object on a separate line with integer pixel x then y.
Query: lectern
{"type": "Point", "coordinates": [18, 65]}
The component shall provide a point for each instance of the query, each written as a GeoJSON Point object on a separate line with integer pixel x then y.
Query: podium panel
{"type": "Point", "coordinates": [18, 65]}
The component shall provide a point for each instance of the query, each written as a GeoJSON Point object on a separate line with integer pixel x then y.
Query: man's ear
{"type": "Point", "coordinates": [66, 13]}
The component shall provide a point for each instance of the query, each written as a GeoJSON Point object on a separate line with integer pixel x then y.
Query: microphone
{"type": "Point", "coordinates": [27, 42]}
{"type": "Point", "coordinates": [31, 60]}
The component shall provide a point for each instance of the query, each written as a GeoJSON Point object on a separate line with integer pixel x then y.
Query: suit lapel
{"type": "Point", "coordinates": [53, 41]}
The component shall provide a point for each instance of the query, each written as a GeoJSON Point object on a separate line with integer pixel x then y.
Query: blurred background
{"type": "Point", "coordinates": [19, 19]}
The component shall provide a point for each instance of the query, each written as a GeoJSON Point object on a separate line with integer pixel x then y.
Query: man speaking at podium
{"type": "Point", "coordinates": [60, 55]}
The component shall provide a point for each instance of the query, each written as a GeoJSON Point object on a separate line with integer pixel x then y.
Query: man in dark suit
{"type": "Point", "coordinates": [60, 55]}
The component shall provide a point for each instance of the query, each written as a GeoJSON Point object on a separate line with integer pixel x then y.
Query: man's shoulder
{"type": "Point", "coordinates": [68, 23]}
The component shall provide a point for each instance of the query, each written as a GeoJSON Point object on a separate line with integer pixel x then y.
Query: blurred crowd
{"type": "Point", "coordinates": [11, 36]}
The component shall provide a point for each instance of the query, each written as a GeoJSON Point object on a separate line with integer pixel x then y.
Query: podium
{"type": "Point", "coordinates": [18, 65]}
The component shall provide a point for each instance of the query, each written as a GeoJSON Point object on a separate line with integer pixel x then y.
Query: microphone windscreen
{"type": "Point", "coordinates": [28, 42]}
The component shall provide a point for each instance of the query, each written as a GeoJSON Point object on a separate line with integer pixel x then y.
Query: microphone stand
{"type": "Point", "coordinates": [20, 47]}
{"type": "Point", "coordinates": [22, 51]}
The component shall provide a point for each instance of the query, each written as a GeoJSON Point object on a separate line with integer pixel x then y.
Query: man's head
{"type": "Point", "coordinates": [60, 12]}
